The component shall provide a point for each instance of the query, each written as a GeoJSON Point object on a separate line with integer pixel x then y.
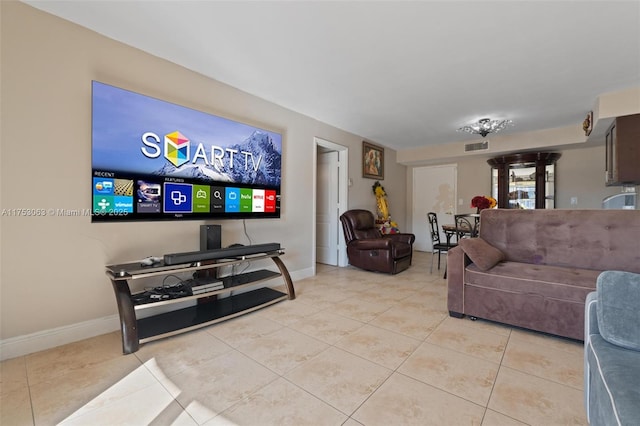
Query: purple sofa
{"type": "Point", "coordinates": [534, 268]}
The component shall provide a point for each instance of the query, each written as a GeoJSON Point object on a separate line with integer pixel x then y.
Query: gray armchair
{"type": "Point", "coordinates": [612, 350]}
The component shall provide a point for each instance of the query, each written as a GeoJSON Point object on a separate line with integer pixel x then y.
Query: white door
{"type": "Point", "coordinates": [434, 190]}
{"type": "Point", "coordinates": [327, 208]}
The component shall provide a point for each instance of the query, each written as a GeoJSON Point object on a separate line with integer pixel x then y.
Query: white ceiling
{"type": "Point", "coordinates": [403, 74]}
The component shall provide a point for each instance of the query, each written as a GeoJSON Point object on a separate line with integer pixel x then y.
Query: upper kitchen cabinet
{"type": "Point", "coordinates": [623, 151]}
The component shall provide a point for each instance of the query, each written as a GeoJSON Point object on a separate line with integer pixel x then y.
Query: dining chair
{"type": "Point", "coordinates": [466, 227]}
{"type": "Point", "coordinates": [436, 245]}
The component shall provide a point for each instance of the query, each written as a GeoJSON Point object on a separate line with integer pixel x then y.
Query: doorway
{"type": "Point", "coordinates": [331, 182]}
{"type": "Point", "coordinates": [434, 190]}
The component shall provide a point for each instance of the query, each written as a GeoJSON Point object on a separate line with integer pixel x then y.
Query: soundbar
{"type": "Point", "coordinates": [197, 256]}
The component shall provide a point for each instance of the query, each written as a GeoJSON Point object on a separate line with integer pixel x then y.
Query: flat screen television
{"type": "Point", "coordinates": [155, 160]}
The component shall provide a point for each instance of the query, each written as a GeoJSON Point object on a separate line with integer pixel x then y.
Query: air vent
{"type": "Point", "coordinates": [479, 146]}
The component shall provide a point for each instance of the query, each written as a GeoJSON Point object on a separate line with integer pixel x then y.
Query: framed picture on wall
{"type": "Point", "coordinates": [372, 161]}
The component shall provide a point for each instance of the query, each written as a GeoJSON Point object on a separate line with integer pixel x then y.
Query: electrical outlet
{"type": "Point", "coordinates": [574, 201]}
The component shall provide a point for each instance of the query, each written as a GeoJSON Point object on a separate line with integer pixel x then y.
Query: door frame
{"type": "Point", "coordinates": [326, 207]}
{"type": "Point", "coordinates": [343, 194]}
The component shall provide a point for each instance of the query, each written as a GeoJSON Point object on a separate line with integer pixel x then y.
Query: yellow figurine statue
{"type": "Point", "coordinates": [381, 201]}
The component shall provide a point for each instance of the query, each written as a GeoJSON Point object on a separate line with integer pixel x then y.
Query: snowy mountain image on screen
{"type": "Point", "coordinates": [262, 166]}
{"type": "Point", "coordinates": [197, 171]}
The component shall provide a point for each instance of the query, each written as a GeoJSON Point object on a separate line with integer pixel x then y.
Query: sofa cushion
{"type": "Point", "coordinates": [618, 313]}
{"type": "Point", "coordinates": [590, 239]}
{"type": "Point", "coordinates": [570, 284]}
{"type": "Point", "coordinates": [483, 254]}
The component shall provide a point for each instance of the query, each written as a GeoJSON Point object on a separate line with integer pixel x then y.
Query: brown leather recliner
{"type": "Point", "coordinates": [368, 248]}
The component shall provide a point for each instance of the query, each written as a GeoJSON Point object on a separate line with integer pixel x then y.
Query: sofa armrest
{"type": "Point", "coordinates": [590, 329]}
{"type": "Point", "coordinates": [402, 237]}
{"type": "Point", "coordinates": [372, 244]}
{"type": "Point", "coordinates": [457, 261]}
{"type": "Point", "coordinates": [590, 316]}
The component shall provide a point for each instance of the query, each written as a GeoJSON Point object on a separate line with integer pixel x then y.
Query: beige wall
{"type": "Point", "coordinates": [52, 268]}
{"type": "Point", "coordinates": [579, 173]}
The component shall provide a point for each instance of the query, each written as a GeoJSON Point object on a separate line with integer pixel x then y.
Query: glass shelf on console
{"type": "Point", "coordinates": [231, 283]}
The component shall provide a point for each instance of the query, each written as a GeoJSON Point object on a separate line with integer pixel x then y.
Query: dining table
{"type": "Point", "coordinates": [451, 230]}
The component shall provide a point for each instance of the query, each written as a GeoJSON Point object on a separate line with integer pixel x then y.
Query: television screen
{"type": "Point", "coordinates": [155, 160]}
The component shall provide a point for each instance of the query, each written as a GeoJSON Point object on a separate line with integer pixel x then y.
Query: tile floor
{"type": "Point", "coordinates": [354, 348]}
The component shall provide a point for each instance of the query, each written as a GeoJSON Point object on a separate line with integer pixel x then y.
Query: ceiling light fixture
{"type": "Point", "coordinates": [485, 126]}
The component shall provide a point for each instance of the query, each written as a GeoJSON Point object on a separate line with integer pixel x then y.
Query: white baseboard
{"type": "Point", "coordinates": [47, 339]}
{"type": "Point", "coordinates": [302, 274]}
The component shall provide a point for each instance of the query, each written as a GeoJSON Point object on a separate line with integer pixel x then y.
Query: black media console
{"type": "Point", "coordinates": [140, 330]}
